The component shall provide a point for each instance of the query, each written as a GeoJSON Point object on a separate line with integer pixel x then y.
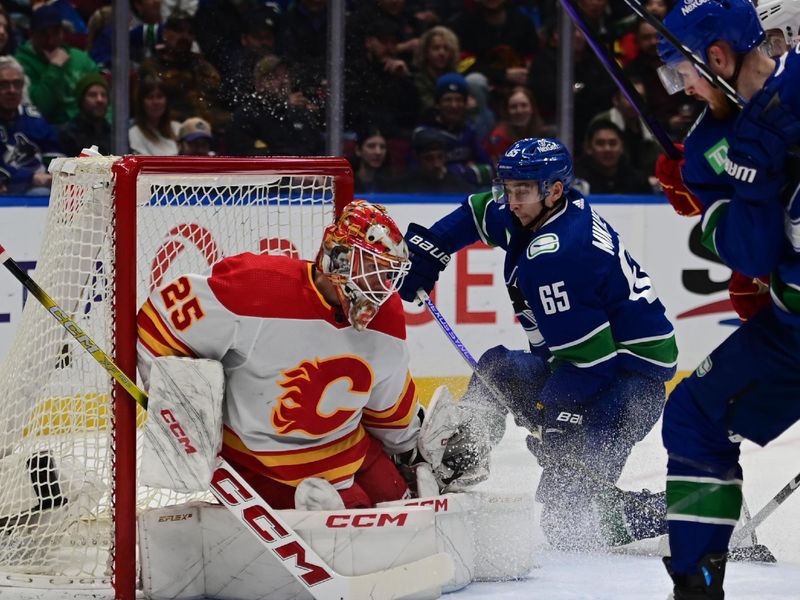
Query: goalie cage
{"type": "Point", "coordinates": [116, 228]}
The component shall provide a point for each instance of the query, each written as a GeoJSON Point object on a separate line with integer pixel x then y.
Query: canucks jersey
{"type": "Point", "coordinates": [755, 238]}
{"type": "Point", "coordinates": [583, 300]}
{"type": "Point", "coordinates": [302, 386]}
{"type": "Point", "coordinates": [27, 143]}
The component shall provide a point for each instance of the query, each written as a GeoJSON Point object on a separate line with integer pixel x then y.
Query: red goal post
{"type": "Point", "coordinates": [117, 228]}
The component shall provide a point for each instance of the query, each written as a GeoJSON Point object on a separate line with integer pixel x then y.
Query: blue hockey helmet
{"type": "Point", "coordinates": [700, 23]}
{"type": "Point", "coordinates": [544, 160]}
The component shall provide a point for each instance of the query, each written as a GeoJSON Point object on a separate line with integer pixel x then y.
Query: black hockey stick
{"type": "Point", "coordinates": [701, 67]}
{"type": "Point", "coordinates": [623, 83]}
{"type": "Point", "coordinates": [255, 514]}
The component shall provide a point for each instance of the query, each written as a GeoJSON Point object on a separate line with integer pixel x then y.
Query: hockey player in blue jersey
{"type": "Point", "coordinates": [748, 387]}
{"type": "Point", "coordinates": [592, 384]}
{"type": "Point", "coordinates": [697, 178]}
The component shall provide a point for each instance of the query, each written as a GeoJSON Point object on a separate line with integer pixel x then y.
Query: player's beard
{"type": "Point", "coordinates": [721, 106]}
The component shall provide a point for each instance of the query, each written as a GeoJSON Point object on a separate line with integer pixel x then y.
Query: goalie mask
{"type": "Point", "coordinates": [365, 257]}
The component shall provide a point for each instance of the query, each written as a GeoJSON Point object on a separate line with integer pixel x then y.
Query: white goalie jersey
{"type": "Point", "coordinates": [302, 387]}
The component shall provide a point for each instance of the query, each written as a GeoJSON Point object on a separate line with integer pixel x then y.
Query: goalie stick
{"type": "Point", "coordinates": [255, 513]}
{"type": "Point", "coordinates": [621, 80]}
{"type": "Point", "coordinates": [757, 552]}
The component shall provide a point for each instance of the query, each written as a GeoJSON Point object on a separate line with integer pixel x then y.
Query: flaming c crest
{"type": "Point", "coordinates": [305, 385]}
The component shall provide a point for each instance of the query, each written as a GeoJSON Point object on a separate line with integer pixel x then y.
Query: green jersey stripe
{"type": "Point", "coordinates": [662, 351]}
{"type": "Point", "coordinates": [593, 348]}
{"type": "Point", "coordinates": [709, 225]}
{"type": "Point", "coordinates": [689, 500]}
{"type": "Point", "coordinates": [787, 296]}
{"type": "Point", "coordinates": [478, 204]}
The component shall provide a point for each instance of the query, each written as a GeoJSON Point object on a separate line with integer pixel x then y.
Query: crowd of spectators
{"type": "Point", "coordinates": [435, 90]}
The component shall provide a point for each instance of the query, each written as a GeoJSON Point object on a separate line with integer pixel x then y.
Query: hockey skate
{"type": "Point", "coordinates": [706, 584]}
{"type": "Point", "coordinates": [627, 517]}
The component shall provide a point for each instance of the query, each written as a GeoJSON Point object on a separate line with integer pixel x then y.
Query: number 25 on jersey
{"type": "Point", "coordinates": [183, 308]}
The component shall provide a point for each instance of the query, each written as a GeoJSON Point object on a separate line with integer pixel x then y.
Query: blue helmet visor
{"type": "Point", "coordinates": [501, 193]}
{"type": "Point", "coordinates": [678, 76]}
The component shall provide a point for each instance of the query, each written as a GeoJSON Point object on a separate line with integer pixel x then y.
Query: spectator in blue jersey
{"type": "Point", "coordinates": [591, 384]}
{"type": "Point", "coordinates": [745, 178]}
{"type": "Point", "coordinates": [464, 154]}
{"type": "Point", "coordinates": [27, 141]}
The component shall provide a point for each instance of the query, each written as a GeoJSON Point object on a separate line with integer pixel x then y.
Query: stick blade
{"type": "Point", "coordinates": [755, 553]}
{"type": "Point", "coordinates": [426, 574]}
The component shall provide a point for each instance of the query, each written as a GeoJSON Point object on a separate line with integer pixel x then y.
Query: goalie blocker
{"type": "Point", "coordinates": [197, 549]}
{"type": "Point", "coordinates": [183, 431]}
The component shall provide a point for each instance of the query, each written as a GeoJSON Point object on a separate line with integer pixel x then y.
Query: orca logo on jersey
{"type": "Point", "coordinates": [298, 408]}
{"type": "Point", "coordinates": [543, 244]}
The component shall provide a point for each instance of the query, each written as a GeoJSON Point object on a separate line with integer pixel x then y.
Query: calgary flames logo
{"type": "Point", "coordinates": [305, 385]}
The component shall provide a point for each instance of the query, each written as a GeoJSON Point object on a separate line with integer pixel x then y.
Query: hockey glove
{"type": "Point", "coordinates": [429, 256]}
{"type": "Point", "coordinates": [748, 295]}
{"type": "Point", "coordinates": [761, 135]}
{"type": "Point", "coordinates": [668, 173]}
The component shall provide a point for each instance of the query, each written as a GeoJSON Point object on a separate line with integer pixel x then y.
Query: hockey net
{"type": "Point", "coordinates": [115, 229]}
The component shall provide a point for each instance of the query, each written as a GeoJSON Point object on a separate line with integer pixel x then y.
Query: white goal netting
{"type": "Point", "coordinates": [57, 427]}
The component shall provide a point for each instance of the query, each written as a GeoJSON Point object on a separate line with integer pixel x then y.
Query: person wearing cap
{"type": "Point", "coordinates": [465, 156]}
{"type": "Point", "coordinates": [52, 67]}
{"type": "Point", "coordinates": [191, 82]}
{"type": "Point", "coordinates": [195, 137]}
{"type": "Point", "coordinates": [91, 127]}
{"type": "Point", "coordinates": [277, 120]}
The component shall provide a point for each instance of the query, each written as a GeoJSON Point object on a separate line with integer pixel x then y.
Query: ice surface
{"type": "Point", "coordinates": [571, 576]}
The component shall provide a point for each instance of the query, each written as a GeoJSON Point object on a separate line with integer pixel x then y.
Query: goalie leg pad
{"type": "Point", "coordinates": [183, 430]}
{"type": "Point", "coordinates": [200, 550]}
{"type": "Point", "coordinates": [490, 537]}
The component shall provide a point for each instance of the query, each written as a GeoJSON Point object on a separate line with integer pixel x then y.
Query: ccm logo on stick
{"type": "Point", "coordinates": [437, 504]}
{"type": "Point", "coordinates": [258, 516]}
{"type": "Point", "coordinates": [177, 430]}
{"type": "Point", "coordinates": [366, 520]}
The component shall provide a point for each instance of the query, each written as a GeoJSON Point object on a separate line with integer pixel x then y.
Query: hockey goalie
{"type": "Point", "coordinates": [297, 374]}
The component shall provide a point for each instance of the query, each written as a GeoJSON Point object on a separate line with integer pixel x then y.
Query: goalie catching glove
{"type": "Point", "coordinates": [455, 441]}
